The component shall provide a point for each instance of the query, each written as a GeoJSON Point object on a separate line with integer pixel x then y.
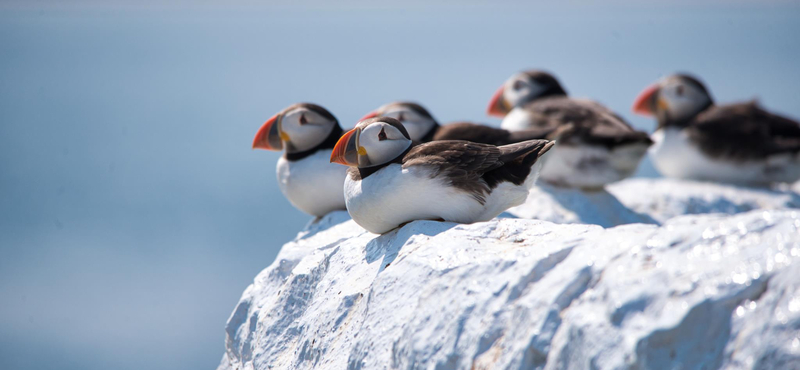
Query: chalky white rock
{"type": "Point", "coordinates": [699, 292]}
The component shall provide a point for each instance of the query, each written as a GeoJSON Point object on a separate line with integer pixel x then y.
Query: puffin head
{"type": "Point", "coordinates": [414, 117]}
{"type": "Point", "coordinates": [297, 128]}
{"type": "Point", "coordinates": [373, 142]}
{"type": "Point", "coordinates": [673, 99]}
{"type": "Point", "coordinates": [521, 88]}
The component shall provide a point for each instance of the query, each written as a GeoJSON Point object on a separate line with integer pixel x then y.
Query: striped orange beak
{"type": "Point", "coordinates": [346, 150]}
{"type": "Point", "coordinates": [644, 103]}
{"type": "Point", "coordinates": [498, 107]}
{"type": "Point", "coordinates": [268, 136]}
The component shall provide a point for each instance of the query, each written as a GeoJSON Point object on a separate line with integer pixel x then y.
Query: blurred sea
{"type": "Point", "coordinates": [133, 212]}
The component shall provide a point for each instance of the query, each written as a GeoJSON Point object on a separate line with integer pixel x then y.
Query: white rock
{"type": "Point", "coordinates": [641, 200]}
{"type": "Point", "coordinates": [663, 199]}
{"type": "Point", "coordinates": [573, 206]}
{"type": "Point", "coordinates": [698, 292]}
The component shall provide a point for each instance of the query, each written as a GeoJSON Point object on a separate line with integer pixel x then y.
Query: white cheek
{"type": "Point", "coordinates": [416, 130]}
{"type": "Point", "coordinates": [386, 151]}
{"type": "Point", "coordinates": [681, 106]}
{"type": "Point", "coordinates": [368, 139]}
{"type": "Point", "coordinates": [684, 105]}
{"type": "Point", "coordinates": [395, 115]}
{"type": "Point", "coordinates": [307, 136]}
{"type": "Point", "coordinates": [515, 97]}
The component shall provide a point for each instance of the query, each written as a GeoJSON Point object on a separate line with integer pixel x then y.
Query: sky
{"type": "Point", "coordinates": [133, 212]}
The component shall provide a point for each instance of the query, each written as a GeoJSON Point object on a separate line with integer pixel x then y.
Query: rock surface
{"type": "Point", "coordinates": [654, 201]}
{"type": "Point", "coordinates": [696, 292]}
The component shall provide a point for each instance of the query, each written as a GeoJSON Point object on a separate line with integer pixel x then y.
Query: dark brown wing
{"type": "Point", "coordinates": [577, 121]}
{"type": "Point", "coordinates": [478, 133]}
{"type": "Point", "coordinates": [744, 131]}
{"type": "Point", "coordinates": [462, 163]}
{"type": "Point", "coordinates": [477, 168]}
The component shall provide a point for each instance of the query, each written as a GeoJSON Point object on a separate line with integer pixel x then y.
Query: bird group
{"type": "Point", "coordinates": [401, 165]}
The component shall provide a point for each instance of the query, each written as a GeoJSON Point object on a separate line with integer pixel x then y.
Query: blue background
{"type": "Point", "coordinates": [133, 212]}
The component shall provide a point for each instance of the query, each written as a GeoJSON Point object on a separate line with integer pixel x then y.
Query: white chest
{"type": "Point", "coordinates": [675, 155]}
{"type": "Point", "coordinates": [393, 196]}
{"type": "Point", "coordinates": [313, 184]}
{"type": "Point", "coordinates": [516, 120]}
{"type": "Point", "coordinates": [591, 166]}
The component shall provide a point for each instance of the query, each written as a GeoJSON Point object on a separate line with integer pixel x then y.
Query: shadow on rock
{"type": "Point", "coordinates": [388, 245]}
{"type": "Point", "coordinates": [595, 207]}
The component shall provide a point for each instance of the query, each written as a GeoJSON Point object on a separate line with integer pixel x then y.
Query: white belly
{"type": "Point", "coordinates": [516, 120]}
{"type": "Point", "coordinates": [674, 155]}
{"type": "Point", "coordinates": [393, 196]}
{"type": "Point", "coordinates": [313, 184]}
{"type": "Point", "coordinates": [591, 166]}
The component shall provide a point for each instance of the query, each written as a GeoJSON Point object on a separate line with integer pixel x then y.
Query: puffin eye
{"type": "Point", "coordinates": [679, 90]}
{"type": "Point", "coordinates": [518, 84]}
{"type": "Point", "coordinates": [303, 119]}
{"type": "Point", "coordinates": [382, 135]}
{"type": "Point", "coordinates": [400, 117]}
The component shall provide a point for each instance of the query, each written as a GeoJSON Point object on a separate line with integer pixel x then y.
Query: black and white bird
{"type": "Point", "coordinates": [422, 127]}
{"type": "Point", "coordinates": [392, 181]}
{"type": "Point", "coordinates": [736, 143]}
{"type": "Point", "coordinates": [307, 134]}
{"type": "Point", "coordinates": [595, 145]}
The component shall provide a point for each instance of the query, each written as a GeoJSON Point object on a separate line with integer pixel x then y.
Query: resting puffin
{"type": "Point", "coordinates": [422, 127]}
{"type": "Point", "coordinates": [307, 133]}
{"type": "Point", "coordinates": [735, 143]}
{"type": "Point", "coordinates": [595, 145]}
{"type": "Point", "coordinates": [392, 181]}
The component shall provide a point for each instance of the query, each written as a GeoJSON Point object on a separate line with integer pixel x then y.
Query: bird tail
{"type": "Point", "coordinates": [526, 152]}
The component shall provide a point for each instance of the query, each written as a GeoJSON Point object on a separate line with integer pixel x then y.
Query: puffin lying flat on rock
{"type": "Point", "coordinates": [422, 127]}
{"type": "Point", "coordinates": [735, 143]}
{"type": "Point", "coordinates": [392, 181]}
{"type": "Point", "coordinates": [307, 134]}
{"type": "Point", "coordinates": [595, 145]}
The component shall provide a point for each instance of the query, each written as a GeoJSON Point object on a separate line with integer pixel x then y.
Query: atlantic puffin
{"type": "Point", "coordinates": [595, 145]}
{"type": "Point", "coordinates": [422, 127]}
{"type": "Point", "coordinates": [735, 143]}
{"type": "Point", "coordinates": [392, 181]}
{"type": "Point", "coordinates": [307, 134]}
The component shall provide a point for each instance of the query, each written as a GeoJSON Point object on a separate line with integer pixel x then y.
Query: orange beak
{"type": "Point", "coordinates": [268, 136]}
{"type": "Point", "coordinates": [644, 103]}
{"type": "Point", "coordinates": [498, 106]}
{"type": "Point", "coordinates": [372, 114]}
{"type": "Point", "coordinates": [346, 150]}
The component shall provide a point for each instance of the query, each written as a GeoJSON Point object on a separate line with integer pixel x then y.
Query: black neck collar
{"type": "Point", "coordinates": [328, 143]}
{"type": "Point", "coordinates": [366, 171]}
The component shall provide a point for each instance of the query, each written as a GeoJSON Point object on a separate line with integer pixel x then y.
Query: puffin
{"type": "Point", "coordinates": [422, 127]}
{"type": "Point", "coordinates": [739, 143]}
{"type": "Point", "coordinates": [306, 133]}
{"type": "Point", "coordinates": [391, 180]}
{"type": "Point", "coordinates": [595, 145]}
